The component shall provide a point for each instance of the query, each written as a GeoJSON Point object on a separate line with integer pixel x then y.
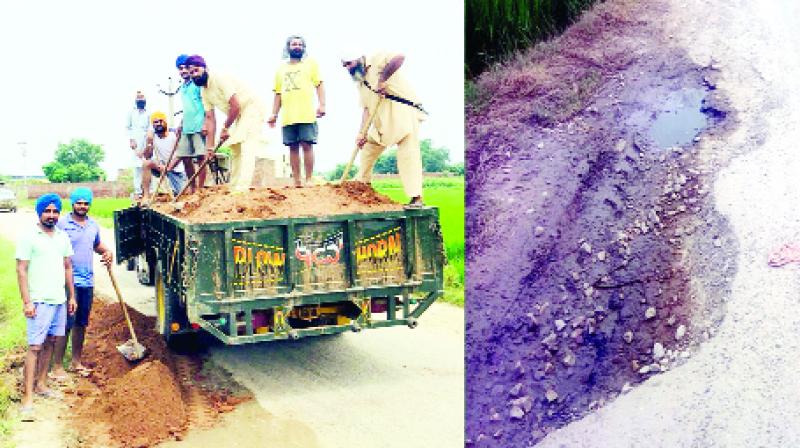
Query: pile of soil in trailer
{"type": "Point", "coordinates": [218, 203]}
{"type": "Point", "coordinates": [140, 404]}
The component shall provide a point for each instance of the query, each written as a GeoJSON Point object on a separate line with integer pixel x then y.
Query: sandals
{"type": "Point", "coordinates": [26, 414]}
{"type": "Point", "coordinates": [58, 378]}
{"type": "Point", "coordinates": [50, 394]}
{"type": "Point", "coordinates": [415, 203]}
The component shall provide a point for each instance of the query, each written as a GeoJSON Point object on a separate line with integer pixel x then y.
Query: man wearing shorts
{"type": "Point", "coordinates": [84, 236]}
{"type": "Point", "coordinates": [44, 270]}
{"type": "Point", "coordinates": [295, 83]}
{"type": "Point", "coordinates": [191, 145]}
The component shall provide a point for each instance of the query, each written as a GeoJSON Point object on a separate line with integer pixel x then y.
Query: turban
{"type": "Point", "coordinates": [81, 194]}
{"type": "Point", "coordinates": [350, 55]}
{"type": "Point", "coordinates": [158, 116]}
{"type": "Point", "coordinates": [45, 200]}
{"type": "Point", "coordinates": [181, 60]}
{"type": "Point", "coordinates": [196, 60]}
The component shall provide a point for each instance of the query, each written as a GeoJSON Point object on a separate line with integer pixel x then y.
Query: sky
{"type": "Point", "coordinates": [71, 69]}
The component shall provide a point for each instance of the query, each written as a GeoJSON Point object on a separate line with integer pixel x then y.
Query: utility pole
{"type": "Point", "coordinates": [23, 146]}
{"type": "Point", "coordinates": [169, 93]}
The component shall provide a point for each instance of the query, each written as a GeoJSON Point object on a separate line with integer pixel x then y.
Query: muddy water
{"type": "Point", "coordinates": [680, 119]}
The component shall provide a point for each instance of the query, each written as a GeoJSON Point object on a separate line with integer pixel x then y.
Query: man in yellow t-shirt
{"type": "Point", "coordinates": [295, 83]}
{"type": "Point", "coordinates": [242, 127]}
{"type": "Point", "coordinates": [385, 92]}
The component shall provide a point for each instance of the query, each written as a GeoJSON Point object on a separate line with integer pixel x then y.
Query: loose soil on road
{"type": "Point", "coordinates": [218, 204]}
{"type": "Point", "coordinates": [161, 397]}
{"type": "Point", "coordinates": [596, 256]}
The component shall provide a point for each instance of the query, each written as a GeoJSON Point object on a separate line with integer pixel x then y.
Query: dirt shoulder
{"type": "Point", "coordinates": [597, 257]}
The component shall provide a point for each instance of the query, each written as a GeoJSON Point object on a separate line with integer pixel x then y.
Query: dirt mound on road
{"type": "Point", "coordinates": [140, 404]}
{"type": "Point", "coordinates": [218, 203]}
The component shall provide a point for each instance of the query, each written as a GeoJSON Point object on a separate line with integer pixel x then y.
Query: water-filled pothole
{"type": "Point", "coordinates": [680, 120]}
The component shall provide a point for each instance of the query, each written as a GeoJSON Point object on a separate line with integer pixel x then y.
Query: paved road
{"type": "Point", "coordinates": [390, 387]}
{"type": "Point", "coordinates": [742, 388]}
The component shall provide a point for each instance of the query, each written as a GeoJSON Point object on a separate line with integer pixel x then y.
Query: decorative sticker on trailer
{"type": "Point", "coordinates": [257, 265]}
{"type": "Point", "coordinates": [320, 253]}
{"type": "Point", "coordinates": [380, 257]}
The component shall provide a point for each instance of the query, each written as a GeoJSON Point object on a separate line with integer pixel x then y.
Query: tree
{"type": "Point", "coordinates": [386, 163]}
{"type": "Point", "coordinates": [336, 174]}
{"type": "Point", "coordinates": [434, 160]}
{"type": "Point", "coordinates": [76, 161]}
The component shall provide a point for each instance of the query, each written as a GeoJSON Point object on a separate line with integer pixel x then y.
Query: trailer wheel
{"type": "Point", "coordinates": [131, 264]}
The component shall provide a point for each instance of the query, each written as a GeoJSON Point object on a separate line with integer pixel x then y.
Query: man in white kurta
{"type": "Point", "coordinates": [385, 92]}
{"type": "Point", "coordinates": [246, 116]}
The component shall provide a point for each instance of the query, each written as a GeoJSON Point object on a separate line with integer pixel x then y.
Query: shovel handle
{"type": "Point", "coordinates": [199, 169]}
{"type": "Point", "coordinates": [364, 131]}
{"type": "Point", "coordinates": [122, 304]}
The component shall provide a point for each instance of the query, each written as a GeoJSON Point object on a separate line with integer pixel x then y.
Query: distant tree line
{"type": "Point", "coordinates": [496, 28]}
{"type": "Point", "coordinates": [434, 160]}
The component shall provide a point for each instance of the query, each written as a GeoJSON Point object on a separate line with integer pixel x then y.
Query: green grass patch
{"type": "Point", "coordinates": [102, 209]}
{"type": "Point", "coordinates": [12, 328]}
{"type": "Point", "coordinates": [446, 193]}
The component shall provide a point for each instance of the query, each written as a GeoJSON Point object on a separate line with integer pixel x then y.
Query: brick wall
{"type": "Point", "coordinates": [99, 189]}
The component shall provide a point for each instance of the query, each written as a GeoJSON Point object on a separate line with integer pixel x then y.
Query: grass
{"type": "Point", "coordinates": [447, 193]}
{"type": "Point", "coordinates": [12, 328]}
{"type": "Point", "coordinates": [102, 209]}
{"type": "Point", "coordinates": [497, 28]}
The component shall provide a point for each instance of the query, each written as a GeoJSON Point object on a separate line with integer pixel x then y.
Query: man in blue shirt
{"type": "Point", "coordinates": [84, 234]}
{"type": "Point", "coordinates": [191, 145]}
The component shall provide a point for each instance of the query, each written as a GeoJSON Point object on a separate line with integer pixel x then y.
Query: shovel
{"type": "Point", "coordinates": [179, 205]}
{"type": "Point", "coordinates": [132, 350]}
{"type": "Point", "coordinates": [364, 131]}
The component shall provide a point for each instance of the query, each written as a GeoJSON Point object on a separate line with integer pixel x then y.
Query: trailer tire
{"type": "Point", "coordinates": [131, 264]}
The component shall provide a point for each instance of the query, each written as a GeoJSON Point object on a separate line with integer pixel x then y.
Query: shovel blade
{"type": "Point", "coordinates": [132, 350]}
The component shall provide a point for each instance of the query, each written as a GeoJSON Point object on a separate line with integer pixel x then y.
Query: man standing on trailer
{"type": "Point", "coordinates": [384, 91]}
{"type": "Point", "coordinates": [295, 83]}
{"type": "Point", "coordinates": [242, 128]}
{"type": "Point", "coordinates": [191, 145]}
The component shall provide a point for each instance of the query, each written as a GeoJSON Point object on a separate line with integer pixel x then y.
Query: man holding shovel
{"type": "Point", "coordinates": [44, 271]}
{"type": "Point", "coordinates": [388, 100]}
{"type": "Point", "coordinates": [243, 125]}
{"type": "Point", "coordinates": [162, 160]}
{"type": "Point", "coordinates": [84, 235]}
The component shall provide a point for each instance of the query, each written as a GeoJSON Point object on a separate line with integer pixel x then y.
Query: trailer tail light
{"type": "Point", "coordinates": [174, 327]}
{"type": "Point", "coordinates": [195, 326]}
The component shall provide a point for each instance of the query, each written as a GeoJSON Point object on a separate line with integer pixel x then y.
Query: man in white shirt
{"type": "Point", "coordinates": [138, 124]}
{"type": "Point", "coordinates": [159, 148]}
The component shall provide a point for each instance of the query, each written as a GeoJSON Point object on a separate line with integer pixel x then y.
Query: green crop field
{"type": "Point", "coordinates": [447, 193]}
{"type": "Point", "coordinates": [12, 328]}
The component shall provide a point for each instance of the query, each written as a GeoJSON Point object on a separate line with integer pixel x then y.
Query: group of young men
{"type": "Point", "coordinates": [58, 247]}
{"type": "Point", "coordinates": [388, 102]}
{"type": "Point", "coordinates": [62, 246]}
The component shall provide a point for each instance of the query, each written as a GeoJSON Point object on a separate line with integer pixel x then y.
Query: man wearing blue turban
{"type": "Point", "coordinates": [84, 235]}
{"type": "Point", "coordinates": [191, 145]}
{"type": "Point", "coordinates": [43, 259]}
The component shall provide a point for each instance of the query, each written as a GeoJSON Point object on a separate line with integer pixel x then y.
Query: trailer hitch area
{"type": "Point", "coordinates": [412, 322]}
